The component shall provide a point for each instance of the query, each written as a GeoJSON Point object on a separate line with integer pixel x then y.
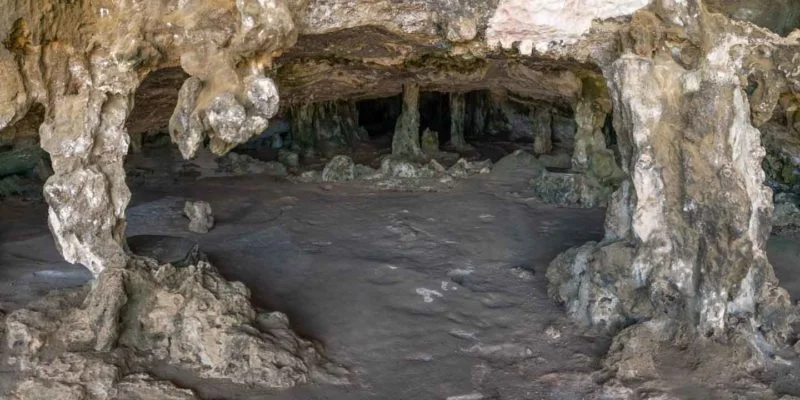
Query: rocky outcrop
{"type": "Point", "coordinates": [686, 235]}
{"type": "Point", "coordinates": [188, 317]}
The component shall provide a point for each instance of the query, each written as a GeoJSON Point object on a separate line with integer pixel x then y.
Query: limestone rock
{"type": "Point", "coordinates": [289, 158]}
{"type": "Point", "coordinates": [144, 387]}
{"type": "Point", "coordinates": [405, 142]}
{"type": "Point", "coordinates": [200, 218]}
{"type": "Point", "coordinates": [241, 164]}
{"type": "Point", "coordinates": [570, 189]}
{"type": "Point", "coordinates": [430, 141]}
{"type": "Point", "coordinates": [518, 163]}
{"type": "Point", "coordinates": [339, 169]}
{"type": "Point", "coordinates": [364, 172]}
{"type": "Point", "coordinates": [786, 217]}
{"type": "Point", "coordinates": [189, 317]}
{"type": "Point", "coordinates": [185, 126]}
{"type": "Point", "coordinates": [393, 167]}
{"type": "Point", "coordinates": [542, 131]}
{"type": "Point", "coordinates": [463, 168]}
{"type": "Point", "coordinates": [560, 161]}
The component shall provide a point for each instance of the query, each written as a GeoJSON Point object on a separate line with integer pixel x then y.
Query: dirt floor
{"type": "Point", "coordinates": [436, 295]}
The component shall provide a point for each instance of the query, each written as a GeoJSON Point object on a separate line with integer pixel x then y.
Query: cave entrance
{"type": "Point", "coordinates": [434, 114]}
{"type": "Point", "coordinates": [378, 116]}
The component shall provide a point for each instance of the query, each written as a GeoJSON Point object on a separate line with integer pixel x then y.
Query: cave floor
{"type": "Point", "coordinates": [436, 295]}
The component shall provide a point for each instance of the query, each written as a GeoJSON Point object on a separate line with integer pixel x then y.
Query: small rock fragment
{"type": "Point", "coordinates": [200, 218]}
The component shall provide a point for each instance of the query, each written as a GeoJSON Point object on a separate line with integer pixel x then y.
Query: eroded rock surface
{"type": "Point", "coordinates": [188, 317]}
{"type": "Point", "coordinates": [201, 220]}
{"type": "Point", "coordinates": [687, 221]}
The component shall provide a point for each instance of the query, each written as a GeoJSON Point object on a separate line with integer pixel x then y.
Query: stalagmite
{"type": "Point", "coordinates": [405, 142]}
{"type": "Point", "coordinates": [543, 133]}
{"type": "Point", "coordinates": [457, 121]}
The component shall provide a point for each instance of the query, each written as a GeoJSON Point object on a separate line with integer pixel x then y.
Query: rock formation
{"type": "Point", "coordinates": [201, 220]}
{"type": "Point", "coordinates": [405, 142]}
{"type": "Point", "coordinates": [687, 85]}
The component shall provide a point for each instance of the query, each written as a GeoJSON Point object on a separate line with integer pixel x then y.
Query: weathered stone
{"type": "Point", "coordinates": [289, 158]}
{"type": "Point", "coordinates": [457, 122]}
{"type": "Point", "coordinates": [786, 217]}
{"type": "Point", "coordinates": [393, 167]}
{"type": "Point", "coordinates": [517, 164]}
{"type": "Point", "coordinates": [241, 164]}
{"type": "Point", "coordinates": [178, 251]}
{"type": "Point", "coordinates": [339, 169]}
{"type": "Point", "coordinates": [430, 141]}
{"type": "Point", "coordinates": [200, 218]}
{"type": "Point", "coordinates": [326, 127]}
{"type": "Point", "coordinates": [542, 131]}
{"type": "Point", "coordinates": [185, 126]}
{"type": "Point", "coordinates": [570, 189]}
{"type": "Point", "coordinates": [405, 142]}
{"type": "Point", "coordinates": [189, 317]}
{"type": "Point", "coordinates": [463, 168]}
{"type": "Point", "coordinates": [560, 161]}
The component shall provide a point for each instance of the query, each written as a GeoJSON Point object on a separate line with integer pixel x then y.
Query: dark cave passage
{"type": "Point", "coordinates": [378, 115]}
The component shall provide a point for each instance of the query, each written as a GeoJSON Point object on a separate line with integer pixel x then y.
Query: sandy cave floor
{"type": "Point", "coordinates": [421, 295]}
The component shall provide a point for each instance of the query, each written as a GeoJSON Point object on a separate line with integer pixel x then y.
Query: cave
{"type": "Point", "coordinates": [378, 116]}
{"type": "Point", "coordinates": [375, 199]}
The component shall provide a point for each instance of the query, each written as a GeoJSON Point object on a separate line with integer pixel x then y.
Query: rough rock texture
{"type": "Point", "coordinates": [73, 376]}
{"type": "Point", "coordinates": [201, 220]}
{"type": "Point", "coordinates": [405, 142]}
{"type": "Point", "coordinates": [242, 164]}
{"type": "Point", "coordinates": [685, 236]}
{"type": "Point", "coordinates": [429, 141]}
{"type": "Point", "coordinates": [326, 127]}
{"type": "Point", "coordinates": [189, 317]}
{"type": "Point", "coordinates": [457, 121]}
{"type": "Point", "coordinates": [339, 169]}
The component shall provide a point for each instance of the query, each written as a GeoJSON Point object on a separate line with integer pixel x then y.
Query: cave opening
{"type": "Point", "coordinates": [379, 115]}
{"type": "Point", "coordinates": [434, 110]}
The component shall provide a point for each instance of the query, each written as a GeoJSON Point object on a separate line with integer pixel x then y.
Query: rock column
{"type": "Point", "coordinates": [405, 142]}
{"type": "Point", "coordinates": [457, 121]}
{"type": "Point", "coordinates": [686, 235]}
{"type": "Point", "coordinates": [84, 132]}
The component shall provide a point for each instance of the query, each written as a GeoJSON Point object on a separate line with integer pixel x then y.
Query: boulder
{"type": "Point", "coordinates": [200, 218]}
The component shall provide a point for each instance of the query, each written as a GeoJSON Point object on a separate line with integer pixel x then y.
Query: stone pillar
{"type": "Point", "coordinates": [686, 235]}
{"type": "Point", "coordinates": [457, 121]}
{"type": "Point", "coordinates": [329, 127]}
{"type": "Point", "coordinates": [405, 142]}
{"type": "Point", "coordinates": [543, 132]}
{"type": "Point", "coordinates": [590, 115]}
{"type": "Point", "coordinates": [86, 137]}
